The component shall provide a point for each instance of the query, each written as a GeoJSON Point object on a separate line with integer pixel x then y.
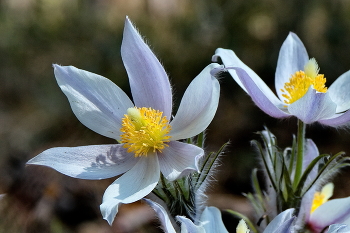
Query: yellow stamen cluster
{"type": "Point", "coordinates": [144, 130]}
{"type": "Point", "coordinates": [322, 197]}
{"type": "Point", "coordinates": [301, 81]}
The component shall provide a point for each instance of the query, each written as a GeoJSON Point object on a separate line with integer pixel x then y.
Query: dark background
{"type": "Point", "coordinates": [35, 115]}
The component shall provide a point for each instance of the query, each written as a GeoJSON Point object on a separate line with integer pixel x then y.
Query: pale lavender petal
{"type": "Point", "coordinates": [313, 106]}
{"type": "Point", "coordinates": [132, 186]}
{"type": "Point", "coordinates": [211, 220]}
{"type": "Point", "coordinates": [339, 92]}
{"type": "Point", "coordinates": [338, 228]}
{"type": "Point", "coordinates": [331, 212]}
{"type": "Point", "coordinates": [179, 159]}
{"type": "Point", "coordinates": [305, 208]}
{"type": "Point", "coordinates": [96, 101]}
{"type": "Point", "coordinates": [149, 82]}
{"type": "Point", "coordinates": [292, 57]}
{"type": "Point", "coordinates": [230, 60]}
{"type": "Point", "coordinates": [163, 216]}
{"type": "Point", "coordinates": [337, 120]}
{"type": "Point", "coordinates": [258, 96]}
{"type": "Point", "coordinates": [281, 223]}
{"type": "Point", "coordinates": [198, 106]}
{"type": "Point", "coordinates": [87, 162]}
{"type": "Point", "coordinates": [310, 154]}
{"type": "Point", "coordinates": [187, 226]}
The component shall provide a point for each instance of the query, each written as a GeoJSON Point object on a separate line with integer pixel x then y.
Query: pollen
{"type": "Point", "coordinates": [322, 197]}
{"type": "Point", "coordinates": [144, 130]}
{"type": "Point", "coordinates": [301, 81]}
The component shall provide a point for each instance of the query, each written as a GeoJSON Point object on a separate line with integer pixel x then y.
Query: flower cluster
{"type": "Point", "coordinates": [159, 156]}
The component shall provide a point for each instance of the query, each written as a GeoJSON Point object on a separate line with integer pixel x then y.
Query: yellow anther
{"type": "Point", "coordinates": [322, 197]}
{"type": "Point", "coordinates": [301, 81]}
{"type": "Point", "coordinates": [144, 130]}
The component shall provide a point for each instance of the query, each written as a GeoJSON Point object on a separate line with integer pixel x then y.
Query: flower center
{"type": "Point", "coordinates": [322, 197]}
{"type": "Point", "coordinates": [144, 129]}
{"type": "Point", "coordinates": [301, 81]}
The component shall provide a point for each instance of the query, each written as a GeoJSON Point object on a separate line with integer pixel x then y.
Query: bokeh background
{"type": "Point", "coordinates": [35, 115]}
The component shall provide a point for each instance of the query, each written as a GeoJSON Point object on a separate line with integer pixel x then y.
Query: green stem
{"type": "Point", "coordinates": [300, 153]}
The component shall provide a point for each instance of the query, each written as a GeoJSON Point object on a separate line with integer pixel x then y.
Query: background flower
{"type": "Point", "coordinates": [310, 104]}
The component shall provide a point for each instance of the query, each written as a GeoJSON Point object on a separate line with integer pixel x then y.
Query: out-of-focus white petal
{"type": "Point", "coordinates": [339, 92]}
{"type": "Point", "coordinates": [179, 159]}
{"type": "Point", "coordinates": [96, 101]}
{"type": "Point", "coordinates": [305, 208]}
{"type": "Point", "coordinates": [230, 60]}
{"type": "Point", "coordinates": [292, 57]}
{"type": "Point", "coordinates": [281, 223]}
{"type": "Point", "coordinates": [313, 106]}
{"type": "Point", "coordinates": [310, 154]}
{"type": "Point", "coordinates": [149, 82]}
{"type": "Point", "coordinates": [187, 226]}
{"type": "Point", "coordinates": [338, 228]}
{"type": "Point", "coordinates": [198, 106]}
{"type": "Point", "coordinates": [259, 97]}
{"type": "Point", "coordinates": [331, 212]}
{"type": "Point", "coordinates": [163, 216]}
{"type": "Point", "coordinates": [87, 162]}
{"type": "Point", "coordinates": [132, 186]}
{"type": "Point", "coordinates": [211, 220]}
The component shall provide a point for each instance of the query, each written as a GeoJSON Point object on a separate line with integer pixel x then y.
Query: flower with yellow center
{"type": "Point", "coordinates": [317, 212]}
{"type": "Point", "coordinates": [300, 88]}
{"type": "Point", "coordinates": [301, 81]}
{"type": "Point", "coordinates": [147, 133]}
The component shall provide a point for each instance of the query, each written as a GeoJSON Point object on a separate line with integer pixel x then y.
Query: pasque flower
{"type": "Point", "coordinates": [209, 220]}
{"type": "Point", "coordinates": [317, 212]}
{"type": "Point", "coordinates": [301, 90]}
{"type": "Point", "coordinates": [145, 128]}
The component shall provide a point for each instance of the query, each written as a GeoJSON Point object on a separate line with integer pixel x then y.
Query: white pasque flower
{"type": "Point", "coordinates": [300, 88]}
{"type": "Point", "coordinates": [209, 220]}
{"type": "Point", "coordinates": [147, 137]}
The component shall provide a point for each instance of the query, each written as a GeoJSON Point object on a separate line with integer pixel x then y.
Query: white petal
{"type": "Point", "coordinates": [339, 92]}
{"type": "Point", "coordinates": [259, 97]}
{"type": "Point", "coordinates": [338, 228]}
{"type": "Point", "coordinates": [163, 216]}
{"type": "Point", "coordinates": [230, 59]}
{"type": "Point", "coordinates": [96, 101]}
{"type": "Point", "coordinates": [198, 106]}
{"type": "Point", "coordinates": [132, 186]}
{"type": "Point", "coordinates": [331, 212]}
{"type": "Point", "coordinates": [149, 82]}
{"type": "Point", "coordinates": [339, 119]}
{"type": "Point", "coordinates": [179, 159]}
{"type": "Point", "coordinates": [313, 106]}
{"type": "Point", "coordinates": [87, 162]}
{"type": "Point", "coordinates": [281, 222]}
{"type": "Point", "coordinates": [187, 226]}
{"type": "Point", "coordinates": [310, 154]}
{"type": "Point", "coordinates": [211, 220]}
{"type": "Point", "coordinates": [292, 57]}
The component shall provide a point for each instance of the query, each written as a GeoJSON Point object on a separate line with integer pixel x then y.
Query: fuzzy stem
{"type": "Point", "coordinates": [300, 153]}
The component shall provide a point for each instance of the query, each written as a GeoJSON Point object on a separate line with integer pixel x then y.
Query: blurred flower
{"type": "Point", "coordinates": [242, 227]}
{"type": "Point", "coordinates": [148, 138]}
{"type": "Point", "coordinates": [209, 220]}
{"type": "Point", "coordinates": [282, 223]}
{"type": "Point", "coordinates": [316, 212]}
{"type": "Point", "coordinates": [299, 86]}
